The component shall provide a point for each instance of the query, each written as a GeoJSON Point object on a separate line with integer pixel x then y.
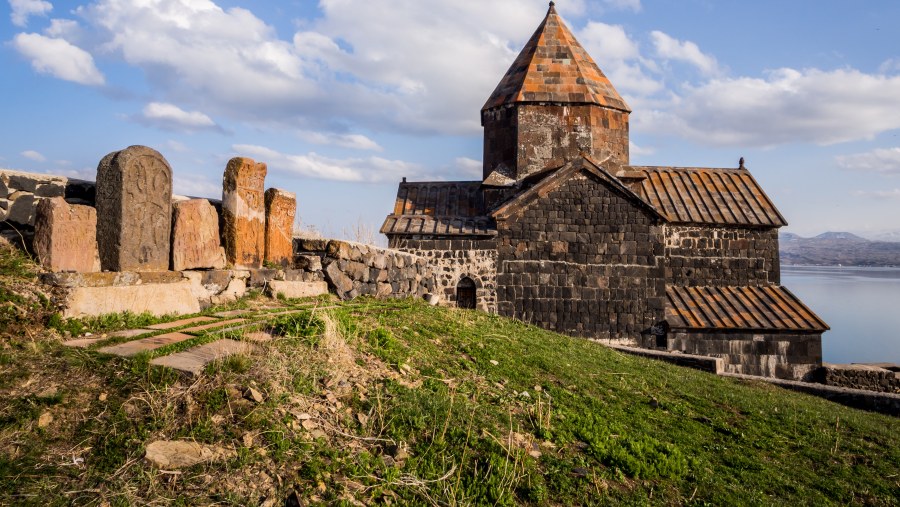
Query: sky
{"type": "Point", "coordinates": [343, 98]}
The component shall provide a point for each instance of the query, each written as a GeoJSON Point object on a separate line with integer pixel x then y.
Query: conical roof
{"type": "Point", "coordinates": [553, 67]}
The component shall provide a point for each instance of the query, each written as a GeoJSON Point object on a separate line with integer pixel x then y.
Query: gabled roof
{"type": "Point", "coordinates": [770, 308]}
{"type": "Point", "coordinates": [553, 67]}
{"type": "Point", "coordinates": [704, 196]}
{"type": "Point", "coordinates": [563, 174]}
{"type": "Point", "coordinates": [439, 208]}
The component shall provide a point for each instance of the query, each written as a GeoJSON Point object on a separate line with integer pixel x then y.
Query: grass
{"type": "Point", "coordinates": [399, 402]}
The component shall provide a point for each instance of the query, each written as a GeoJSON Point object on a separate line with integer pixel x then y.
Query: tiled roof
{"type": "Point", "coordinates": [704, 196]}
{"type": "Point", "coordinates": [553, 67]}
{"type": "Point", "coordinates": [439, 208]}
{"type": "Point", "coordinates": [770, 308]}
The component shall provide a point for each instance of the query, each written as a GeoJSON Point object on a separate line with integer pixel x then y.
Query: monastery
{"type": "Point", "coordinates": [562, 232]}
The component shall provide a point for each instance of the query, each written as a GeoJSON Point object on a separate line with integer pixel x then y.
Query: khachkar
{"type": "Point", "coordinates": [244, 212]}
{"type": "Point", "coordinates": [281, 208]}
{"type": "Point", "coordinates": [134, 210]}
{"type": "Point", "coordinates": [195, 236]}
{"type": "Point", "coordinates": [65, 236]}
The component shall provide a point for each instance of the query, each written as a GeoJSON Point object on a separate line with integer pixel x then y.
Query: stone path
{"type": "Point", "coordinates": [252, 323]}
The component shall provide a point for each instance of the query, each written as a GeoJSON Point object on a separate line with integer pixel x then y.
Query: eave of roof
{"type": "Point", "coordinates": [769, 308]}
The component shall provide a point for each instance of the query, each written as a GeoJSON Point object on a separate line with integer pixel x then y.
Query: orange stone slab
{"type": "Point", "coordinates": [244, 212]}
{"type": "Point", "coordinates": [135, 347]}
{"type": "Point", "coordinates": [180, 323]}
{"type": "Point", "coordinates": [196, 243]}
{"type": "Point", "coordinates": [214, 325]}
{"type": "Point", "coordinates": [65, 236]}
{"type": "Point", "coordinates": [281, 208]}
{"type": "Point", "coordinates": [195, 360]}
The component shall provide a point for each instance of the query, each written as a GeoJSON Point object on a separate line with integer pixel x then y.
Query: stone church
{"type": "Point", "coordinates": [564, 233]}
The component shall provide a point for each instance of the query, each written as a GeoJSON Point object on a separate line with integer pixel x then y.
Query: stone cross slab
{"type": "Point", "coordinates": [134, 210]}
{"type": "Point", "coordinates": [195, 236]}
{"type": "Point", "coordinates": [65, 236]}
{"type": "Point", "coordinates": [244, 212]}
{"type": "Point", "coordinates": [281, 208]}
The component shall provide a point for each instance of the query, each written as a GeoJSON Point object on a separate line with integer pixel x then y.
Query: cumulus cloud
{"type": "Point", "coordinates": [58, 58]}
{"type": "Point", "coordinates": [352, 141]}
{"type": "Point", "coordinates": [21, 10]}
{"type": "Point", "coordinates": [313, 165]}
{"type": "Point", "coordinates": [785, 106]}
{"type": "Point", "coordinates": [670, 48]}
{"type": "Point", "coordinates": [882, 160]}
{"type": "Point", "coordinates": [619, 56]}
{"type": "Point", "coordinates": [34, 155]}
{"type": "Point", "coordinates": [196, 185]}
{"type": "Point", "coordinates": [171, 117]}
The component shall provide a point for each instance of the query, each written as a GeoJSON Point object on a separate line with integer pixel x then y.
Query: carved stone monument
{"type": "Point", "coordinates": [134, 209]}
{"type": "Point", "coordinates": [65, 236]}
{"type": "Point", "coordinates": [244, 212]}
{"type": "Point", "coordinates": [281, 208]}
{"type": "Point", "coordinates": [195, 236]}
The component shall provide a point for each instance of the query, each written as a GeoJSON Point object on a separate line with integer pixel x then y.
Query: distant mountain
{"type": "Point", "coordinates": [837, 248]}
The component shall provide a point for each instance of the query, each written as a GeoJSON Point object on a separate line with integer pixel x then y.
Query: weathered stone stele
{"type": "Point", "coordinates": [195, 236]}
{"type": "Point", "coordinates": [281, 208]}
{"type": "Point", "coordinates": [134, 210]}
{"type": "Point", "coordinates": [65, 236]}
{"type": "Point", "coordinates": [244, 213]}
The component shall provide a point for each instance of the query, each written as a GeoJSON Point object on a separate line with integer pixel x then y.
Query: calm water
{"type": "Point", "coordinates": [862, 306]}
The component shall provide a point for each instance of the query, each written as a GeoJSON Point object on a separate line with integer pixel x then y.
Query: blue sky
{"type": "Point", "coordinates": [342, 98]}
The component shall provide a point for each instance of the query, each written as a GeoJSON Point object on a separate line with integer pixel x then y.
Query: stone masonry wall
{"type": "Point", "coordinates": [859, 376]}
{"type": "Point", "coordinates": [786, 356]}
{"type": "Point", "coordinates": [455, 259]}
{"type": "Point", "coordinates": [20, 193]}
{"type": "Point", "coordinates": [582, 260]}
{"type": "Point", "coordinates": [721, 256]}
{"type": "Point", "coordinates": [354, 269]}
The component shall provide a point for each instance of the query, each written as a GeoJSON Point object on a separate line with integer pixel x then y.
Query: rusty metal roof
{"type": "Point", "coordinates": [704, 196]}
{"type": "Point", "coordinates": [440, 208]}
{"type": "Point", "coordinates": [769, 308]}
{"type": "Point", "coordinates": [553, 67]}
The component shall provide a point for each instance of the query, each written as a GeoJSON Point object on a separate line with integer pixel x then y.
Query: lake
{"type": "Point", "coordinates": [862, 306]}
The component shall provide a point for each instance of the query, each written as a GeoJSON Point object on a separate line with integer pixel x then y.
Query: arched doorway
{"type": "Point", "coordinates": [465, 293]}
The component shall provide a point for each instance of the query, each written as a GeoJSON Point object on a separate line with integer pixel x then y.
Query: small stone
{"type": "Point", "coordinates": [45, 419]}
{"type": "Point", "coordinates": [168, 454]}
{"type": "Point", "coordinates": [495, 363]}
{"type": "Point", "coordinates": [253, 395]}
{"type": "Point", "coordinates": [247, 439]}
{"type": "Point", "coordinates": [362, 418]}
{"type": "Point", "coordinates": [309, 424]}
{"type": "Point", "coordinates": [102, 397]}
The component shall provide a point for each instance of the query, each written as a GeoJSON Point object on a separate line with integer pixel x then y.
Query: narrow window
{"type": "Point", "coordinates": [465, 293]}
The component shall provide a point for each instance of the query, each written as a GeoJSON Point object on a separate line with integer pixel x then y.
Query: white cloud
{"type": "Point", "coordinates": [619, 56]}
{"type": "Point", "coordinates": [171, 117]}
{"type": "Point", "coordinates": [670, 48]}
{"type": "Point", "coordinates": [312, 165]}
{"type": "Point", "coordinates": [21, 10]}
{"type": "Point", "coordinates": [879, 194]}
{"type": "Point", "coordinates": [640, 151]}
{"type": "Point", "coordinates": [891, 65]}
{"type": "Point", "coordinates": [58, 58]}
{"type": "Point", "coordinates": [352, 141]}
{"type": "Point", "coordinates": [34, 155]}
{"type": "Point", "coordinates": [787, 106]}
{"type": "Point", "coordinates": [882, 160]}
{"type": "Point", "coordinates": [196, 185]}
{"type": "Point", "coordinates": [177, 146]}
{"type": "Point", "coordinates": [470, 167]}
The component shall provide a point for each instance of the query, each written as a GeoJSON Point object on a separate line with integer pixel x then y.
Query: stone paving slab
{"type": "Point", "coordinates": [135, 347]}
{"type": "Point", "coordinates": [291, 312]}
{"type": "Point", "coordinates": [180, 323]}
{"type": "Point", "coordinates": [234, 313]}
{"type": "Point", "coordinates": [222, 323]}
{"type": "Point", "coordinates": [128, 333]}
{"type": "Point", "coordinates": [194, 360]}
{"type": "Point", "coordinates": [83, 343]}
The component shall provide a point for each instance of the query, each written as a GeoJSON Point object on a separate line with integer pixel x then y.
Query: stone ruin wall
{"type": "Point", "coordinates": [721, 256]}
{"type": "Point", "coordinates": [791, 356]}
{"type": "Point", "coordinates": [582, 261]}
{"type": "Point", "coordinates": [457, 258]}
{"type": "Point", "coordinates": [20, 193]}
{"type": "Point", "coordinates": [860, 376]}
{"type": "Point", "coordinates": [354, 269]}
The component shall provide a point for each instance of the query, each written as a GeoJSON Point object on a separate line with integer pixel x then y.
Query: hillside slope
{"type": "Point", "coordinates": [374, 402]}
{"type": "Point", "coordinates": [837, 248]}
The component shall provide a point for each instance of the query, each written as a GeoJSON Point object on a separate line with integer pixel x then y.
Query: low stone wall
{"type": "Point", "coordinates": [704, 363]}
{"type": "Point", "coordinates": [20, 193]}
{"type": "Point", "coordinates": [354, 269]}
{"type": "Point", "coordinates": [859, 376]}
